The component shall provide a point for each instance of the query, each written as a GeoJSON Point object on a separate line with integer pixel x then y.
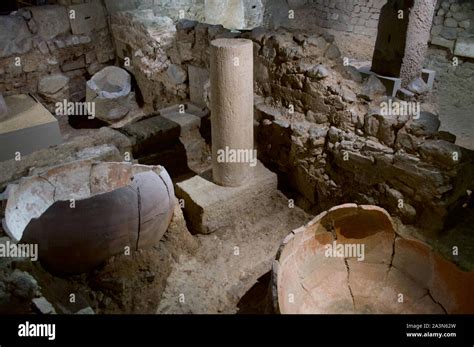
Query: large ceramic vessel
{"type": "Point", "coordinates": [82, 213]}
{"type": "Point", "coordinates": [351, 259]}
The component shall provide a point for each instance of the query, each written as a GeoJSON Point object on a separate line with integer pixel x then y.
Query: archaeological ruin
{"type": "Point", "coordinates": [237, 157]}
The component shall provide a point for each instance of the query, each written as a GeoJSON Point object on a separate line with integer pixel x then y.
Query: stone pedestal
{"type": "Point", "coordinates": [231, 110]}
{"type": "Point", "coordinates": [392, 84]}
{"type": "Point", "coordinates": [209, 207]}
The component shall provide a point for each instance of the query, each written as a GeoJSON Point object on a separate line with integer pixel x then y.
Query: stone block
{"type": "Point", "coordinates": [54, 88]}
{"type": "Point", "coordinates": [465, 24]}
{"type": "Point", "coordinates": [460, 16]}
{"type": "Point", "coordinates": [51, 20]}
{"type": "Point", "coordinates": [426, 125]}
{"type": "Point", "coordinates": [176, 74]}
{"type": "Point", "coordinates": [15, 38]}
{"type": "Point", "coordinates": [87, 310]}
{"type": "Point", "coordinates": [332, 52]}
{"type": "Point", "coordinates": [189, 108]}
{"type": "Point", "coordinates": [43, 306]}
{"type": "Point", "coordinates": [438, 20]}
{"type": "Point", "coordinates": [464, 47]}
{"type": "Point", "coordinates": [440, 152]}
{"type": "Point", "coordinates": [209, 207]}
{"type": "Point", "coordinates": [436, 30]}
{"type": "Point", "coordinates": [362, 30]}
{"type": "Point", "coordinates": [151, 133]}
{"type": "Point", "coordinates": [234, 14]}
{"type": "Point", "coordinates": [253, 13]}
{"type": "Point", "coordinates": [88, 17]}
{"type": "Point", "coordinates": [186, 121]}
{"type": "Point", "coordinates": [418, 86]}
{"type": "Point", "coordinates": [52, 84]}
{"type": "Point", "coordinates": [439, 41]}
{"type": "Point", "coordinates": [449, 33]}
{"type": "Point", "coordinates": [450, 23]}
{"type": "Point", "coordinates": [75, 64]}
{"type": "Point", "coordinates": [392, 84]}
{"type": "Point", "coordinates": [429, 77]}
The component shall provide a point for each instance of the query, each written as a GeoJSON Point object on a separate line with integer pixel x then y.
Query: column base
{"type": "Point", "coordinates": [208, 206]}
{"type": "Point", "coordinates": [393, 84]}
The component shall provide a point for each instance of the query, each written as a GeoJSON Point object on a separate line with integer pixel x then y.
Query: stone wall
{"type": "Point", "coordinates": [338, 146]}
{"type": "Point", "coordinates": [321, 126]}
{"type": "Point", "coordinates": [454, 92]}
{"type": "Point", "coordinates": [175, 9]}
{"type": "Point", "coordinates": [145, 43]}
{"type": "Point", "coordinates": [234, 14]}
{"type": "Point", "coordinates": [354, 22]}
{"type": "Point", "coordinates": [453, 27]}
{"type": "Point", "coordinates": [46, 42]}
{"type": "Point", "coordinates": [352, 16]}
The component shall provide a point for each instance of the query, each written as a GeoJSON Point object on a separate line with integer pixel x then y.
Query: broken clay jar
{"type": "Point", "coordinates": [82, 213]}
{"type": "Point", "coordinates": [110, 90]}
{"type": "Point", "coordinates": [350, 259]}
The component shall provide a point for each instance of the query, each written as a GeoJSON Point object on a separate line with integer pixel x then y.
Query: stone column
{"type": "Point", "coordinates": [231, 110]}
{"type": "Point", "coordinates": [402, 41]}
{"type": "Point", "coordinates": [418, 35]}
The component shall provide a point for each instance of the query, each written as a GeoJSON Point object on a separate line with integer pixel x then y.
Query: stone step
{"type": "Point", "coordinates": [151, 134]}
{"type": "Point", "coordinates": [175, 129]}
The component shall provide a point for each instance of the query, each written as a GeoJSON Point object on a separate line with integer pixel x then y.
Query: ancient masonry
{"type": "Point", "coordinates": [50, 53]}
{"type": "Point", "coordinates": [174, 156]}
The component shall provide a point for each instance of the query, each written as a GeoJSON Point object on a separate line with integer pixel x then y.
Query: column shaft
{"type": "Point", "coordinates": [232, 111]}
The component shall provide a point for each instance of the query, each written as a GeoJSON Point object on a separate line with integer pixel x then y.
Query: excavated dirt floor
{"type": "Point", "coordinates": [213, 272]}
{"type": "Point", "coordinates": [228, 262]}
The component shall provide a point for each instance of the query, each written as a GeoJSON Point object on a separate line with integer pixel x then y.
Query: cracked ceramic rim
{"type": "Point", "coordinates": [397, 275]}
{"type": "Point", "coordinates": [83, 212]}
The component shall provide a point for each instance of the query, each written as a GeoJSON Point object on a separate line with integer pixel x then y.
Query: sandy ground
{"type": "Point", "coordinates": [230, 261]}
{"type": "Point", "coordinates": [458, 118]}
{"type": "Point", "coordinates": [213, 272]}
